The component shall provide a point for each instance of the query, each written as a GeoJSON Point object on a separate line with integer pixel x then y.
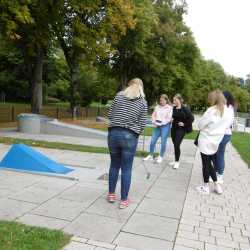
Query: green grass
{"type": "Point", "coordinates": [16, 236]}
{"type": "Point", "coordinates": [64, 146]}
{"type": "Point", "coordinates": [241, 142]}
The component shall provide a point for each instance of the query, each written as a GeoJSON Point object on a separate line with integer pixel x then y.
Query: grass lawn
{"type": "Point", "coordinates": [16, 236]}
{"type": "Point", "coordinates": [241, 142]}
{"type": "Point", "coordinates": [65, 146]}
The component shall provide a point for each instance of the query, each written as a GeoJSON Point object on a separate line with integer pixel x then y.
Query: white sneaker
{"type": "Point", "coordinates": [148, 158]}
{"type": "Point", "coordinates": [220, 179]}
{"type": "Point", "coordinates": [203, 189]}
{"type": "Point", "coordinates": [217, 188]}
{"type": "Point", "coordinates": [159, 159]}
{"type": "Point", "coordinates": [176, 165]}
{"type": "Point", "coordinates": [172, 163]}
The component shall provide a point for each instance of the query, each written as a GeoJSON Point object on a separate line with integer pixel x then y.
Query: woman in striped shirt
{"type": "Point", "coordinates": [127, 119]}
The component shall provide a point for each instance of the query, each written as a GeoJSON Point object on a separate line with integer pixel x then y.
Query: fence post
{"type": "Point", "coordinates": [13, 113]}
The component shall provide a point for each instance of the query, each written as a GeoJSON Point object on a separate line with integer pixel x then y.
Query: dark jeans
{"type": "Point", "coordinates": [208, 167]}
{"type": "Point", "coordinates": [177, 134]}
{"type": "Point", "coordinates": [122, 146]}
{"type": "Point", "coordinates": [220, 155]}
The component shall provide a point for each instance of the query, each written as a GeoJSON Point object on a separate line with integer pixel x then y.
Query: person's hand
{"type": "Point", "coordinates": [181, 124]}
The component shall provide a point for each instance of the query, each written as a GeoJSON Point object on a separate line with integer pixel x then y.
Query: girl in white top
{"type": "Point", "coordinates": [212, 126]}
{"type": "Point", "coordinates": [161, 119]}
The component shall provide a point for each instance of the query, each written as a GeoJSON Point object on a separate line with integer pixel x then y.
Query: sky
{"type": "Point", "coordinates": [222, 31]}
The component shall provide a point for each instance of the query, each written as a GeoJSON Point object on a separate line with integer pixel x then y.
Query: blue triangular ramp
{"type": "Point", "coordinates": [22, 157]}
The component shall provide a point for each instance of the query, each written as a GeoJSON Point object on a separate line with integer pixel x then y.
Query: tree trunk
{"type": "Point", "coordinates": [36, 82]}
{"type": "Point", "coordinates": [73, 90]}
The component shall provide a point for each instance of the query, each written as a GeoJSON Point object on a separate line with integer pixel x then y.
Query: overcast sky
{"type": "Point", "coordinates": [222, 31]}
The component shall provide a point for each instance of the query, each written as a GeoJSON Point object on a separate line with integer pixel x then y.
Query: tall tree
{"type": "Point", "coordinates": [86, 32]}
{"type": "Point", "coordinates": [28, 24]}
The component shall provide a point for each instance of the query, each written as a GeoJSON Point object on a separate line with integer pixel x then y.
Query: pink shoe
{"type": "Point", "coordinates": [111, 197]}
{"type": "Point", "coordinates": [124, 204]}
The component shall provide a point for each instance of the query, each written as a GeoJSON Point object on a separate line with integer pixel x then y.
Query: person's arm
{"type": "Point", "coordinates": [190, 117]}
{"type": "Point", "coordinates": [112, 106]}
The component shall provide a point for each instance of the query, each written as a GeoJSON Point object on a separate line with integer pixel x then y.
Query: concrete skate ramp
{"type": "Point", "coordinates": [60, 128]}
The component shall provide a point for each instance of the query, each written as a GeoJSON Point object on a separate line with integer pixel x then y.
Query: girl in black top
{"type": "Point", "coordinates": [181, 124]}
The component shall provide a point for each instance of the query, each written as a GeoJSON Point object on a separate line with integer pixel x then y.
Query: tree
{"type": "Point", "coordinates": [86, 32]}
{"type": "Point", "coordinates": [28, 25]}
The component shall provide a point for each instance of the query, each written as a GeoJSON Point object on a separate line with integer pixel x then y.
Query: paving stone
{"type": "Point", "coordinates": [101, 244]}
{"type": "Point", "coordinates": [11, 209]}
{"type": "Point", "coordinates": [222, 235]}
{"type": "Point", "coordinates": [189, 243]}
{"type": "Point", "coordinates": [34, 195]}
{"type": "Point", "coordinates": [244, 246]}
{"type": "Point", "coordinates": [94, 227]}
{"type": "Point", "coordinates": [145, 224]}
{"type": "Point", "coordinates": [79, 239]}
{"type": "Point", "coordinates": [227, 243]}
{"type": "Point", "coordinates": [216, 247]}
{"type": "Point", "coordinates": [202, 231]}
{"type": "Point", "coordinates": [121, 248]}
{"type": "Point", "coordinates": [187, 235]}
{"type": "Point", "coordinates": [207, 239]}
{"type": "Point", "coordinates": [104, 208]}
{"type": "Point", "coordinates": [246, 233]}
{"type": "Point", "coordinates": [234, 231]}
{"type": "Point", "coordinates": [84, 195]}
{"type": "Point", "coordinates": [78, 246]}
{"type": "Point", "coordinates": [139, 242]}
{"type": "Point", "coordinates": [41, 221]}
{"type": "Point", "coordinates": [60, 209]}
{"type": "Point", "coordinates": [213, 226]}
{"type": "Point", "coordinates": [179, 247]}
{"type": "Point", "coordinates": [166, 195]}
{"type": "Point", "coordinates": [160, 208]}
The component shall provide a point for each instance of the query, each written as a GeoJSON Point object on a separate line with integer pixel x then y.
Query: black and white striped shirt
{"type": "Point", "coordinates": [128, 113]}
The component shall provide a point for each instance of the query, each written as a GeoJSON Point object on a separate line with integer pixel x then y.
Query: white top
{"type": "Point", "coordinates": [162, 114]}
{"type": "Point", "coordinates": [212, 128]}
{"type": "Point", "coordinates": [229, 130]}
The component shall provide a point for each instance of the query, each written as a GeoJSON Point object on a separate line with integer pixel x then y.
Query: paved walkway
{"type": "Point", "coordinates": [165, 213]}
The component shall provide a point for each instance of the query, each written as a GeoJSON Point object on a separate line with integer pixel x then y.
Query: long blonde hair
{"type": "Point", "coordinates": [134, 89]}
{"type": "Point", "coordinates": [217, 99]}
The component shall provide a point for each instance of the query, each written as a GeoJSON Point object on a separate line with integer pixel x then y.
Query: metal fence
{"type": "Point", "coordinates": [10, 113]}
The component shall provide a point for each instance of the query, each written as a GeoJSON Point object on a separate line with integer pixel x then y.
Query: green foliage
{"type": "Point", "coordinates": [87, 50]}
{"type": "Point", "coordinates": [18, 236]}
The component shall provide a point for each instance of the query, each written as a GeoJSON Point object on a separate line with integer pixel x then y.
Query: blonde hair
{"type": "Point", "coordinates": [179, 97]}
{"type": "Point", "coordinates": [134, 89]}
{"type": "Point", "coordinates": [217, 99]}
{"type": "Point", "coordinates": [164, 96]}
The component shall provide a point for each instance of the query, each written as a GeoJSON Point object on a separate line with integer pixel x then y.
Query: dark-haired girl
{"type": "Point", "coordinates": [220, 155]}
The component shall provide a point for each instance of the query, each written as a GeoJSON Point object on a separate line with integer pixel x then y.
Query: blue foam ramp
{"type": "Point", "coordinates": [22, 157]}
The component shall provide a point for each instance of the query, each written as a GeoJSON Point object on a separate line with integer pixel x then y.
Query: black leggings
{"type": "Point", "coordinates": [177, 135]}
{"type": "Point", "coordinates": [208, 167]}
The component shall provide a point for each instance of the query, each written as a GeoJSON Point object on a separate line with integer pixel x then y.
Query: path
{"type": "Point", "coordinates": [160, 217]}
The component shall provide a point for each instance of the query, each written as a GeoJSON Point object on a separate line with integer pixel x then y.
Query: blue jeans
{"type": "Point", "coordinates": [122, 145]}
{"type": "Point", "coordinates": [163, 132]}
{"type": "Point", "coordinates": [220, 155]}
